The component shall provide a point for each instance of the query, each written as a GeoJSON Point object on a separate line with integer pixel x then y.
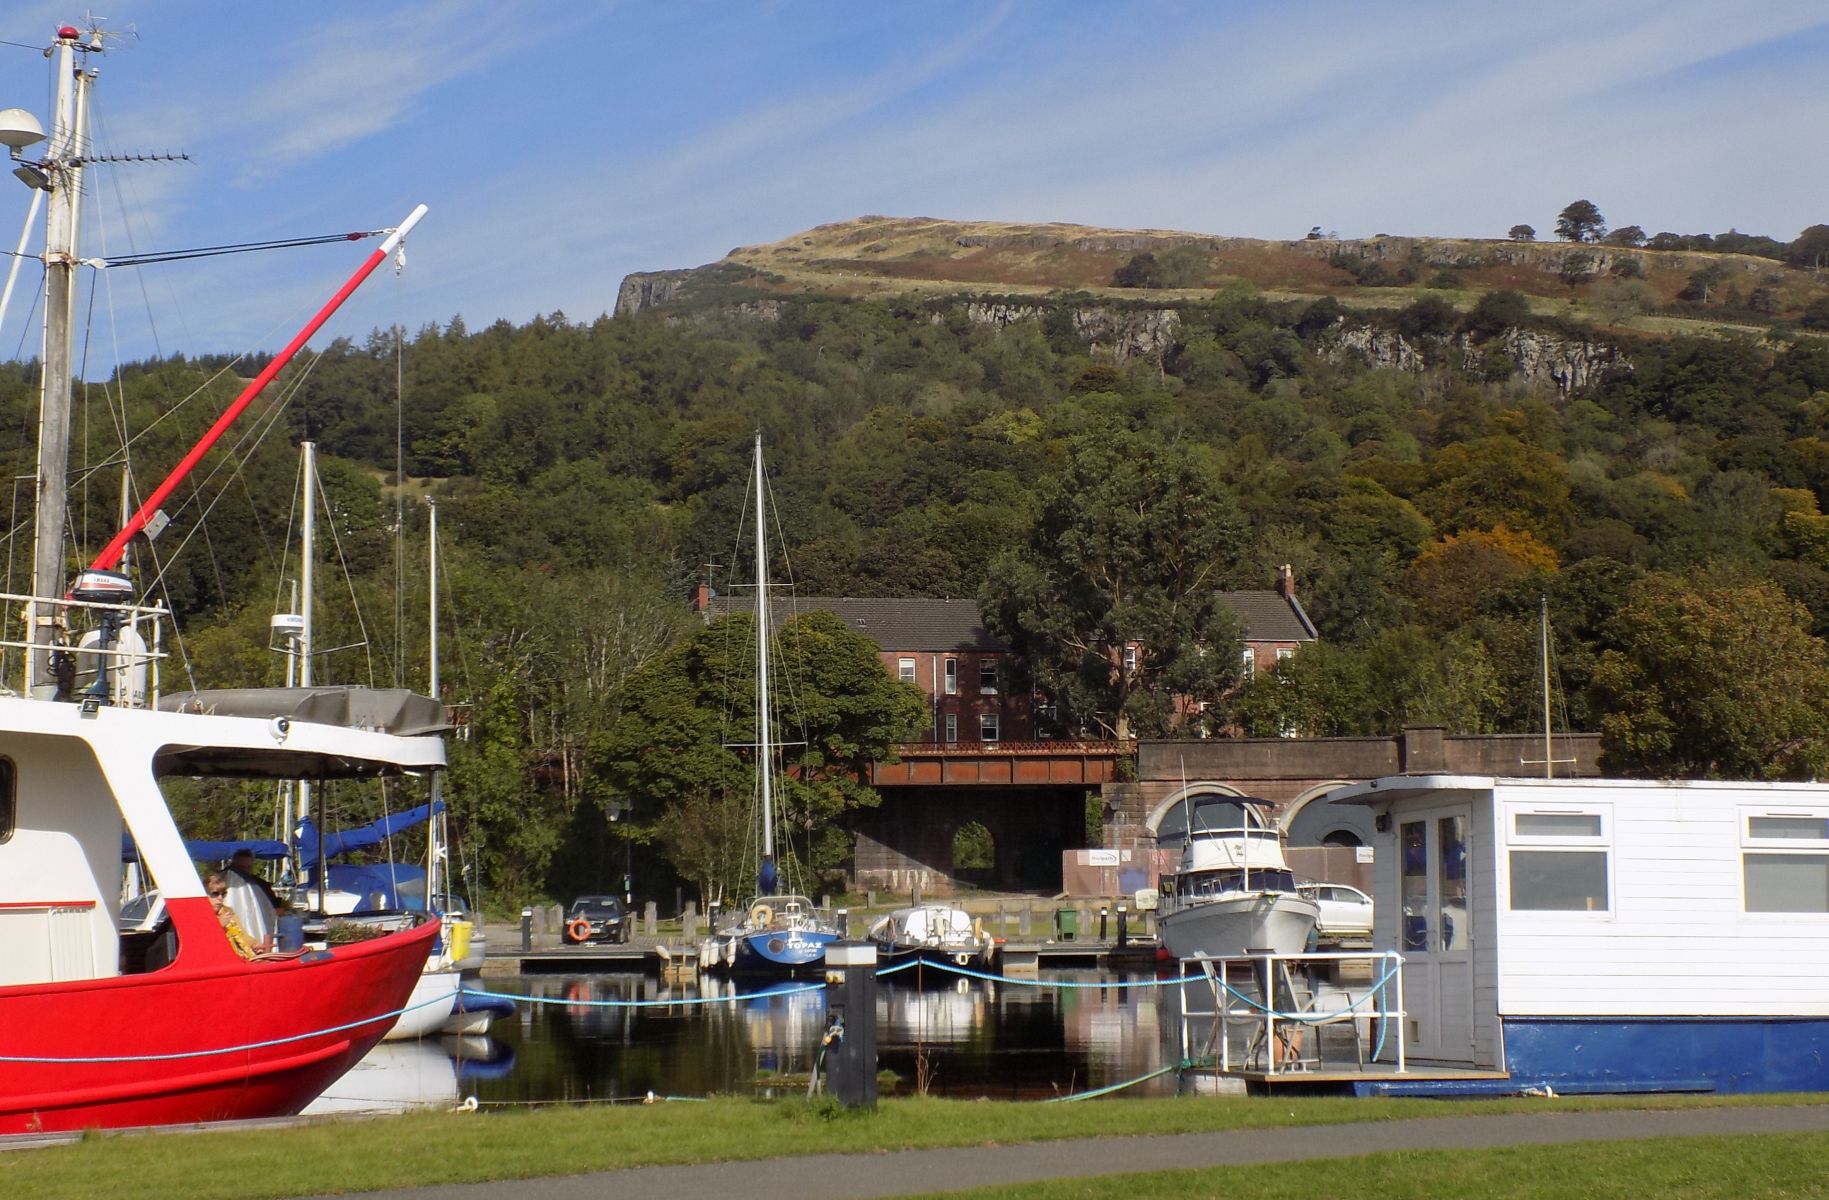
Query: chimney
{"type": "Point", "coordinates": [1286, 582]}
{"type": "Point", "coordinates": [701, 597]}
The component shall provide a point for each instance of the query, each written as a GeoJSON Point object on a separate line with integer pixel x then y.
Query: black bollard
{"type": "Point", "coordinates": [842, 918]}
{"type": "Point", "coordinates": [850, 1037]}
{"type": "Point", "coordinates": [527, 929]}
{"type": "Point", "coordinates": [1104, 915]}
{"type": "Point", "coordinates": [1123, 926]}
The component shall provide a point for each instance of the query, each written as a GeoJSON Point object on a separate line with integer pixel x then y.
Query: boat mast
{"type": "Point", "coordinates": [436, 882]}
{"type": "Point", "coordinates": [62, 175]}
{"type": "Point", "coordinates": [308, 455]}
{"type": "Point", "coordinates": [1543, 639]}
{"type": "Point", "coordinates": [764, 742]}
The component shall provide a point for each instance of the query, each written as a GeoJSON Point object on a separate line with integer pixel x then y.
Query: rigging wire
{"type": "Point", "coordinates": [164, 256]}
{"type": "Point", "coordinates": [349, 580]}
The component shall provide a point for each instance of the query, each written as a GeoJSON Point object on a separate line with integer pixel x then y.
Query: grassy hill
{"type": "Point", "coordinates": [1623, 287]}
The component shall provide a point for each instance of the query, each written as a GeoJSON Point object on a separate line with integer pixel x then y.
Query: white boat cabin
{"type": "Point", "coordinates": [1614, 935]}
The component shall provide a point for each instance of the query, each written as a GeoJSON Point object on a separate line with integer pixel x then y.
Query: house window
{"type": "Point", "coordinates": [987, 727]}
{"type": "Point", "coordinates": [1248, 661]}
{"type": "Point", "coordinates": [952, 677]}
{"type": "Point", "coordinates": [904, 670]}
{"type": "Point", "coordinates": [987, 676]}
{"type": "Point", "coordinates": [9, 800]}
{"type": "Point", "coordinates": [1284, 652]}
{"type": "Point", "coordinates": [1785, 861]}
{"type": "Point", "coordinates": [952, 728]}
{"type": "Point", "coordinates": [1130, 660]}
{"type": "Point", "coordinates": [1559, 860]}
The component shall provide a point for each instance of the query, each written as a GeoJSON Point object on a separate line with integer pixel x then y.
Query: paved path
{"type": "Point", "coordinates": [909, 1172]}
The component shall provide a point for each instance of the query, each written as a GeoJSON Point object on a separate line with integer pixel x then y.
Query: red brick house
{"type": "Point", "coordinates": [943, 648]}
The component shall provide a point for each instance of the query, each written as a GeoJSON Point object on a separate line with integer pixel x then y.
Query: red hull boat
{"type": "Point", "coordinates": [208, 1038]}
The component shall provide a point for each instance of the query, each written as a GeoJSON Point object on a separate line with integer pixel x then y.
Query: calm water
{"type": "Point", "coordinates": [966, 1038]}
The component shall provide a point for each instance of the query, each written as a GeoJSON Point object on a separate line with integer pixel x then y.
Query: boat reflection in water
{"type": "Point", "coordinates": [404, 1075]}
{"type": "Point", "coordinates": [964, 1038]}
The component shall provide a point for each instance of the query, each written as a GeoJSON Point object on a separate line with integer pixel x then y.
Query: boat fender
{"type": "Point", "coordinates": [579, 929]}
{"type": "Point", "coordinates": [761, 914]}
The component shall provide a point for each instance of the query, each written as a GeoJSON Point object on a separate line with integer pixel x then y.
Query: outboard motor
{"type": "Point", "coordinates": [126, 684]}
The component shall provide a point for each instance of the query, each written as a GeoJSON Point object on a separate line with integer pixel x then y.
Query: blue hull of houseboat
{"type": "Point", "coordinates": [1577, 1055]}
{"type": "Point", "coordinates": [782, 952]}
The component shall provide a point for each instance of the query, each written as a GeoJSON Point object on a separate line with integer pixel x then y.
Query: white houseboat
{"type": "Point", "coordinates": [1607, 935]}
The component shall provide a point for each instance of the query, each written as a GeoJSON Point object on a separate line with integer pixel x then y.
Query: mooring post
{"type": "Point", "coordinates": [849, 1042]}
{"type": "Point", "coordinates": [526, 929]}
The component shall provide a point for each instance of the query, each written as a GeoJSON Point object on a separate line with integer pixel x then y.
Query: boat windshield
{"type": "Point", "coordinates": [1217, 883]}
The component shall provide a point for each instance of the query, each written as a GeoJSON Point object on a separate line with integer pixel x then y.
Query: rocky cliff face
{"type": "Point", "coordinates": [1561, 364]}
{"type": "Point", "coordinates": [1123, 333]}
{"type": "Point", "coordinates": [646, 290]}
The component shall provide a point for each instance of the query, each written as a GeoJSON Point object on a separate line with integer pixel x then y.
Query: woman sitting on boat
{"type": "Point", "coordinates": [218, 888]}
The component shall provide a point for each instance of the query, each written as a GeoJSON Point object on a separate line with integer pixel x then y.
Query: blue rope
{"type": "Point", "coordinates": [297, 1037]}
{"type": "Point", "coordinates": [794, 991]}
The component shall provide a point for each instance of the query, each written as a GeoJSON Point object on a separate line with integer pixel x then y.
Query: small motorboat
{"type": "Point", "coordinates": [935, 933]}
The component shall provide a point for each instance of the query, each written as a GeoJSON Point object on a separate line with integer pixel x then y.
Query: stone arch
{"type": "Point", "coordinates": [1170, 807]}
{"type": "Point", "coordinates": [1310, 821]}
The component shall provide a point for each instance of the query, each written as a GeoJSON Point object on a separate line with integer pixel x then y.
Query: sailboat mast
{"type": "Point", "coordinates": [64, 180]}
{"type": "Point", "coordinates": [436, 882]}
{"type": "Point", "coordinates": [764, 740]}
{"type": "Point", "coordinates": [1543, 638]}
{"type": "Point", "coordinates": [308, 553]}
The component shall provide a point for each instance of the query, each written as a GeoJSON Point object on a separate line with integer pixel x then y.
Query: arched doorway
{"type": "Point", "coordinates": [1311, 821]}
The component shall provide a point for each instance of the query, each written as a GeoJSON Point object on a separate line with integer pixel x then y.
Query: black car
{"type": "Point", "coordinates": [596, 919]}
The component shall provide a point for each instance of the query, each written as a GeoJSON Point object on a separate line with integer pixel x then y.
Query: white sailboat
{"type": "Point", "coordinates": [773, 935]}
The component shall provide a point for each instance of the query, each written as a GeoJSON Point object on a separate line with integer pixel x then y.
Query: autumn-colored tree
{"type": "Point", "coordinates": [1716, 680]}
{"type": "Point", "coordinates": [1450, 578]}
{"type": "Point", "coordinates": [1496, 481]}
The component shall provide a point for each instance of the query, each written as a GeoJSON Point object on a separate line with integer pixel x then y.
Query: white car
{"type": "Point", "coordinates": [1345, 911]}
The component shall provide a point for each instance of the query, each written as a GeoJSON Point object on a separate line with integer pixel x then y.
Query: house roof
{"type": "Point", "coordinates": [894, 623]}
{"type": "Point", "coordinates": [1270, 616]}
{"type": "Point", "coordinates": [907, 623]}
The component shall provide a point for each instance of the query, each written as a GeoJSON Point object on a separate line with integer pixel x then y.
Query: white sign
{"type": "Point", "coordinates": [1101, 858]}
{"type": "Point", "coordinates": [1362, 854]}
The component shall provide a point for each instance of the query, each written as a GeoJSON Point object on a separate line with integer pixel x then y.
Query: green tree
{"type": "Point", "coordinates": [1522, 233]}
{"type": "Point", "coordinates": [1581, 222]}
{"type": "Point", "coordinates": [1626, 235]}
{"type": "Point", "coordinates": [683, 748]}
{"type": "Point", "coordinates": [1112, 601]}
{"type": "Point", "coordinates": [1714, 679]}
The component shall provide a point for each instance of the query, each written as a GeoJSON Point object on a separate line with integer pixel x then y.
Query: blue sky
{"type": "Point", "coordinates": [561, 147]}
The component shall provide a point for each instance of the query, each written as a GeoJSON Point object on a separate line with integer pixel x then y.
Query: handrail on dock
{"type": "Point", "coordinates": [1275, 995]}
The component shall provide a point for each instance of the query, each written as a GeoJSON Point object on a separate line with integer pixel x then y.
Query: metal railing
{"type": "Point", "coordinates": [1274, 1000]}
{"type": "Point", "coordinates": [130, 663]}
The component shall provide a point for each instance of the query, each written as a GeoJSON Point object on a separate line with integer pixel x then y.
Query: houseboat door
{"type": "Point", "coordinates": [1437, 935]}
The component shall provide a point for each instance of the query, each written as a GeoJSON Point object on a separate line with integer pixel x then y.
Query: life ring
{"type": "Point", "coordinates": [761, 914]}
{"type": "Point", "coordinates": [578, 929]}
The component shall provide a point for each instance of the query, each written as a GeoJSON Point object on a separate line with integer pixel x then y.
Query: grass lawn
{"type": "Point", "coordinates": [428, 1148]}
{"type": "Point", "coordinates": [1766, 1168]}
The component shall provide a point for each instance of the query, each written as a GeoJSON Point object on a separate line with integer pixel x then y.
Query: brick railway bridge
{"type": "Point", "coordinates": [1034, 798]}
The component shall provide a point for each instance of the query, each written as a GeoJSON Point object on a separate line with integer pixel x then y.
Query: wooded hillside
{"type": "Point", "coordinates": [1428, 466]}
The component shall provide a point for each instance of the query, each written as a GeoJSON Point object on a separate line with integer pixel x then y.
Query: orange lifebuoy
{"type": "Point", "coordinates": [578, 929]}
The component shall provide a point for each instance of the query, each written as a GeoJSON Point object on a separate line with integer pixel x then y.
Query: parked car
{"type": "Point", "coordinates": [1345, 911]}
{"type": "Point", "coordinates": [596, 919]}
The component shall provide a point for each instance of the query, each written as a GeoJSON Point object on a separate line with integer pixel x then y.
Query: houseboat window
{"type": "Point", "coordinates": [1559, 862]}
{"type": "Point", "coordinates": [905, 670]}
{"type": "Point", "coordinates": [1451, 850]}
{"type": "Point", "coordinates": [9, 800]}
{"type": "Point", "coordinates": [1415, 858]}
{"type": "Point", "coordinates": [1785, 863]}
{"type": "Point", "coordinates": [1559, 880]}
{"type": "Point", "coordinates": [1558, 825]}
{"type": "Point", "coordinates": [1797, 883]}
{"type": "Point", "coordinates": [1808, 829]}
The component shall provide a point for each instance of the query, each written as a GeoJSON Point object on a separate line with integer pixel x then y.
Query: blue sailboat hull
{"type": "Point", "coordinates": [783, 951]}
